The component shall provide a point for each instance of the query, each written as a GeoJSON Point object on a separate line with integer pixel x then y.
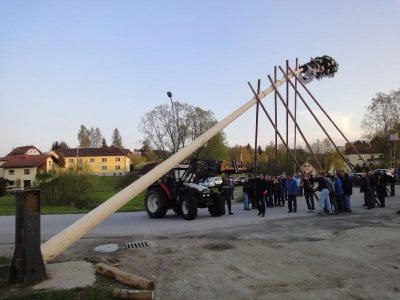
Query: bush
{"type": "Point", "coordinates": [67, 189]}
{"type": "Point", "coordinates": [126, 180]}
{"type": "Point", "coordinates": [3, 187]}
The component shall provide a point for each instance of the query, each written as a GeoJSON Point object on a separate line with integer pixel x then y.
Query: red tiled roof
{"type": "Point", "coordinates": [22, 161]}
{"type": "Point", "coordinates": [22, 150]}
{"type": "Point", "coordinates": [91, 152]}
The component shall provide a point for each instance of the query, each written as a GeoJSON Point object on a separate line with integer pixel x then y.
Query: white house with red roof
{"type": "Point", "coordinates": [21, 166]}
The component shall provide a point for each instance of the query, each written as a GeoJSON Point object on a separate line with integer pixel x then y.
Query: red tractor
{"type": "Point", "coordinates": [180, 190]}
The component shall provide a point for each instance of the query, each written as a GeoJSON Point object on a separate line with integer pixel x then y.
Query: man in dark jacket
{"type": "Point", "coordinates": [225, 194]}
{"type": "Point", "coordinates": [366, 189]}
{"type": "Point", "coordinates": [261, 191]}
{"type": "Point", "coordinates": [347, 191]}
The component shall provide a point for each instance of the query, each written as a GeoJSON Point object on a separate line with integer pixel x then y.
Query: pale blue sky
{"type": "Point", "coordinates": [106, 63]}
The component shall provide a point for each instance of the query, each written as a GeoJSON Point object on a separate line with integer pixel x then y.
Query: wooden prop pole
{"type": "Point", "coordinates": [64, 239]}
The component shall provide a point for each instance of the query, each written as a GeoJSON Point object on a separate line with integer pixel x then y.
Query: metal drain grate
{"type": "Point", "coordinates": [137, 245]}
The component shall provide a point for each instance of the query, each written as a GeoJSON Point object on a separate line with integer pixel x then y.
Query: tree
{"type": "Point", "coordinates": [84, 137]}
{"type": "Point", "coordinates": [215, 148]}
{"type": "Point", "coordinates": [59, 145]}
{"type": "Point", "coordinates": [116, 139]}
{"type": "Point", "coordinates": [169, 128]}
{"type": "Point", "coordinates": [95, 137]}
{"type": "Point", "coordinates": [382, 115]}
{"type": "Point", "coordinates": [103, 143]}
{"type": "Point", "coordinates": [61, 160]}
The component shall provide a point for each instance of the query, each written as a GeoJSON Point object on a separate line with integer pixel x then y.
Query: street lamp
{"type": "Point", "coordinates": [169, 94]}
{"type": "Point", "coordinates": [393, 138]}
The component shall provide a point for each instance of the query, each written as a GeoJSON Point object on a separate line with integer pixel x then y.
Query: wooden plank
{"type": "Point", "coordinates": [125, 277]}
{"type": "Point", "coordinates": [133, 294]}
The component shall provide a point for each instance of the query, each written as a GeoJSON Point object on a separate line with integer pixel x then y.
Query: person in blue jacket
{"type": "Point", "coordinates": [291, 189]}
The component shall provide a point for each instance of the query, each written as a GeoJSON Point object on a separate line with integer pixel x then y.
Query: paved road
{"type": "Point", "coordinates": [138, 223]}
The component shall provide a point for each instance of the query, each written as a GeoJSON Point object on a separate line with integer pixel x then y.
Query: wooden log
{"type": "Point", "coordinates": [125, 277]}
{"type": "Point", "coordinates": [133, 294]}
{"type": "Point", "coordinates": [64, 239]}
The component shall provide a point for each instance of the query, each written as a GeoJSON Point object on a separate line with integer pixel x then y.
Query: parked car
{"type": "Point", "coordinates": [212, 181]}
{"type": "Point", "coordinates": [236, 180]}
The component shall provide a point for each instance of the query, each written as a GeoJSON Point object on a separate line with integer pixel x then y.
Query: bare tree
{"type": "Point", "coordinates": [382, 115]}
{"type": "Point", "coordinates": [95, 137]}
{"type": "Point", "coordinates": [169, 128]}
{"type": "Point", "coordinates": [84, 137]}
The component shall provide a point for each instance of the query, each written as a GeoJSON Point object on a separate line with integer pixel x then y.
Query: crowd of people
{"type": "Point", "coordinates": [333, 197]}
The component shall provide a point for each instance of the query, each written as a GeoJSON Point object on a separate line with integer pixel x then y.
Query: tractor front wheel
{"type": "Point", "coordinates": [188, 206]}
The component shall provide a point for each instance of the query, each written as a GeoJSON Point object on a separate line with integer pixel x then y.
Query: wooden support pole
{"type": "Point", "coordinates": [61, 241]}
{"type": "Point", "coordinates": [125, 277]}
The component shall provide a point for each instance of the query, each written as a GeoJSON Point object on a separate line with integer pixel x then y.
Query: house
{"type": "Point", "coordinates": [21, 166]}
{"type": "Point", "coordinates": [25, 150]}
{"type": "Point", "coordinates": [105, 161]}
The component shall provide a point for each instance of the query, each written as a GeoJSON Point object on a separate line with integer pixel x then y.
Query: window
{"type": "Point", "coordinates": [50, 163]}
{"type": "Point", "coordinates": [91, 160]}
{"type": "Point", "coordinates": [27, 171]}
{"type": "Point", "coordinates": [70, 160]}
{"type": "Point", "coordinates": [118, 159]}
{"type": "Point", "coordinates": [11, 182]}
{"type": "Point", "coordinates": [10, 172]}
{"type": "Point", "coordinates": [117, 167]}
{"type": "Point", "coordinates": [104, 159]}
{"type": "Point", "coordinates": [104, 168]}
{"type": "Point", "coordinates": [79, 160]}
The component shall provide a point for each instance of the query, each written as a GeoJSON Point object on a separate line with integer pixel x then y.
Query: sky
{"type": "Point", "coordinates": [106, 63]}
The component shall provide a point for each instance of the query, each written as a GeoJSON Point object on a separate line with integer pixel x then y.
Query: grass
{"type": "Point", "coordinates": [103, 188]}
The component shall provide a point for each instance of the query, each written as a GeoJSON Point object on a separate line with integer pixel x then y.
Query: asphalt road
{"type": "Point", "coordinates": [138, 223]}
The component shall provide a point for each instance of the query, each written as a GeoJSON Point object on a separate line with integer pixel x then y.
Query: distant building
{"type": "Point", "coordinates": [105, 161]}
{"type": "Point", "coordinates": [21, 166]}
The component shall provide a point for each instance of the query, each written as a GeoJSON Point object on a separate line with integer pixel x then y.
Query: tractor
{"type": "Point", "coordinates": [180, 190]}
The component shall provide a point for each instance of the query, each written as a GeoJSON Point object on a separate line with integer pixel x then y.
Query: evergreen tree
{"type": "Point", "coordinates": [104, 143]}
{"type": "Point", "coordinates": [116, 139]}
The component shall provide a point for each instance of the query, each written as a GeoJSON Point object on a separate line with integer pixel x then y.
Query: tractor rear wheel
{"type": "Point", "coordinates": [156, 203]}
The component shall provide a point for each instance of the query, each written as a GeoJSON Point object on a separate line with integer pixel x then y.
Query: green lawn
{"type": "Point", "coordinates": [7, 204]}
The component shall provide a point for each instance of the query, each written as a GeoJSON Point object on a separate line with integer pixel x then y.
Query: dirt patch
{"type": "Point", "coordinates": [281, 259]}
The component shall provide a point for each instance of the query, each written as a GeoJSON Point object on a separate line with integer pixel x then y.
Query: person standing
{"type": "Point", "coordinates": [347, 191]}
{"type": "Point", "coordinates": [269, 195]}
{"type": "Point", "coordinates": [381, 187]}
{"type": "Point", "coordinates": [225, 194]}
{"type": "Point", "coordinates": [261, 191]}
{"type": "Point", "coordinates": [324, 202]}
{"type": "Point", "coordinates": [247, 190]}
{"type": "Point", "coordinates": [366, 189]}
{"type": "Point", "coordinates": [372, 183]}
{"type": "Point", "coordinates": [308, 192]}
{"type": "Point", "coordinates": [331, 189]}
{"type": "Point", "coordinates": [291, 188]}
{"type": "Point", "coordinates": [339, 192]}
{"type": "Point", "coordinates": [279, 192]}
{"type": "Point", "coordinates": [231, 187]}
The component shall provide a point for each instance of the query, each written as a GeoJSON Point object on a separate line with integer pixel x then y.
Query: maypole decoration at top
{"type": "Point", "coordinates": [319, 67]}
